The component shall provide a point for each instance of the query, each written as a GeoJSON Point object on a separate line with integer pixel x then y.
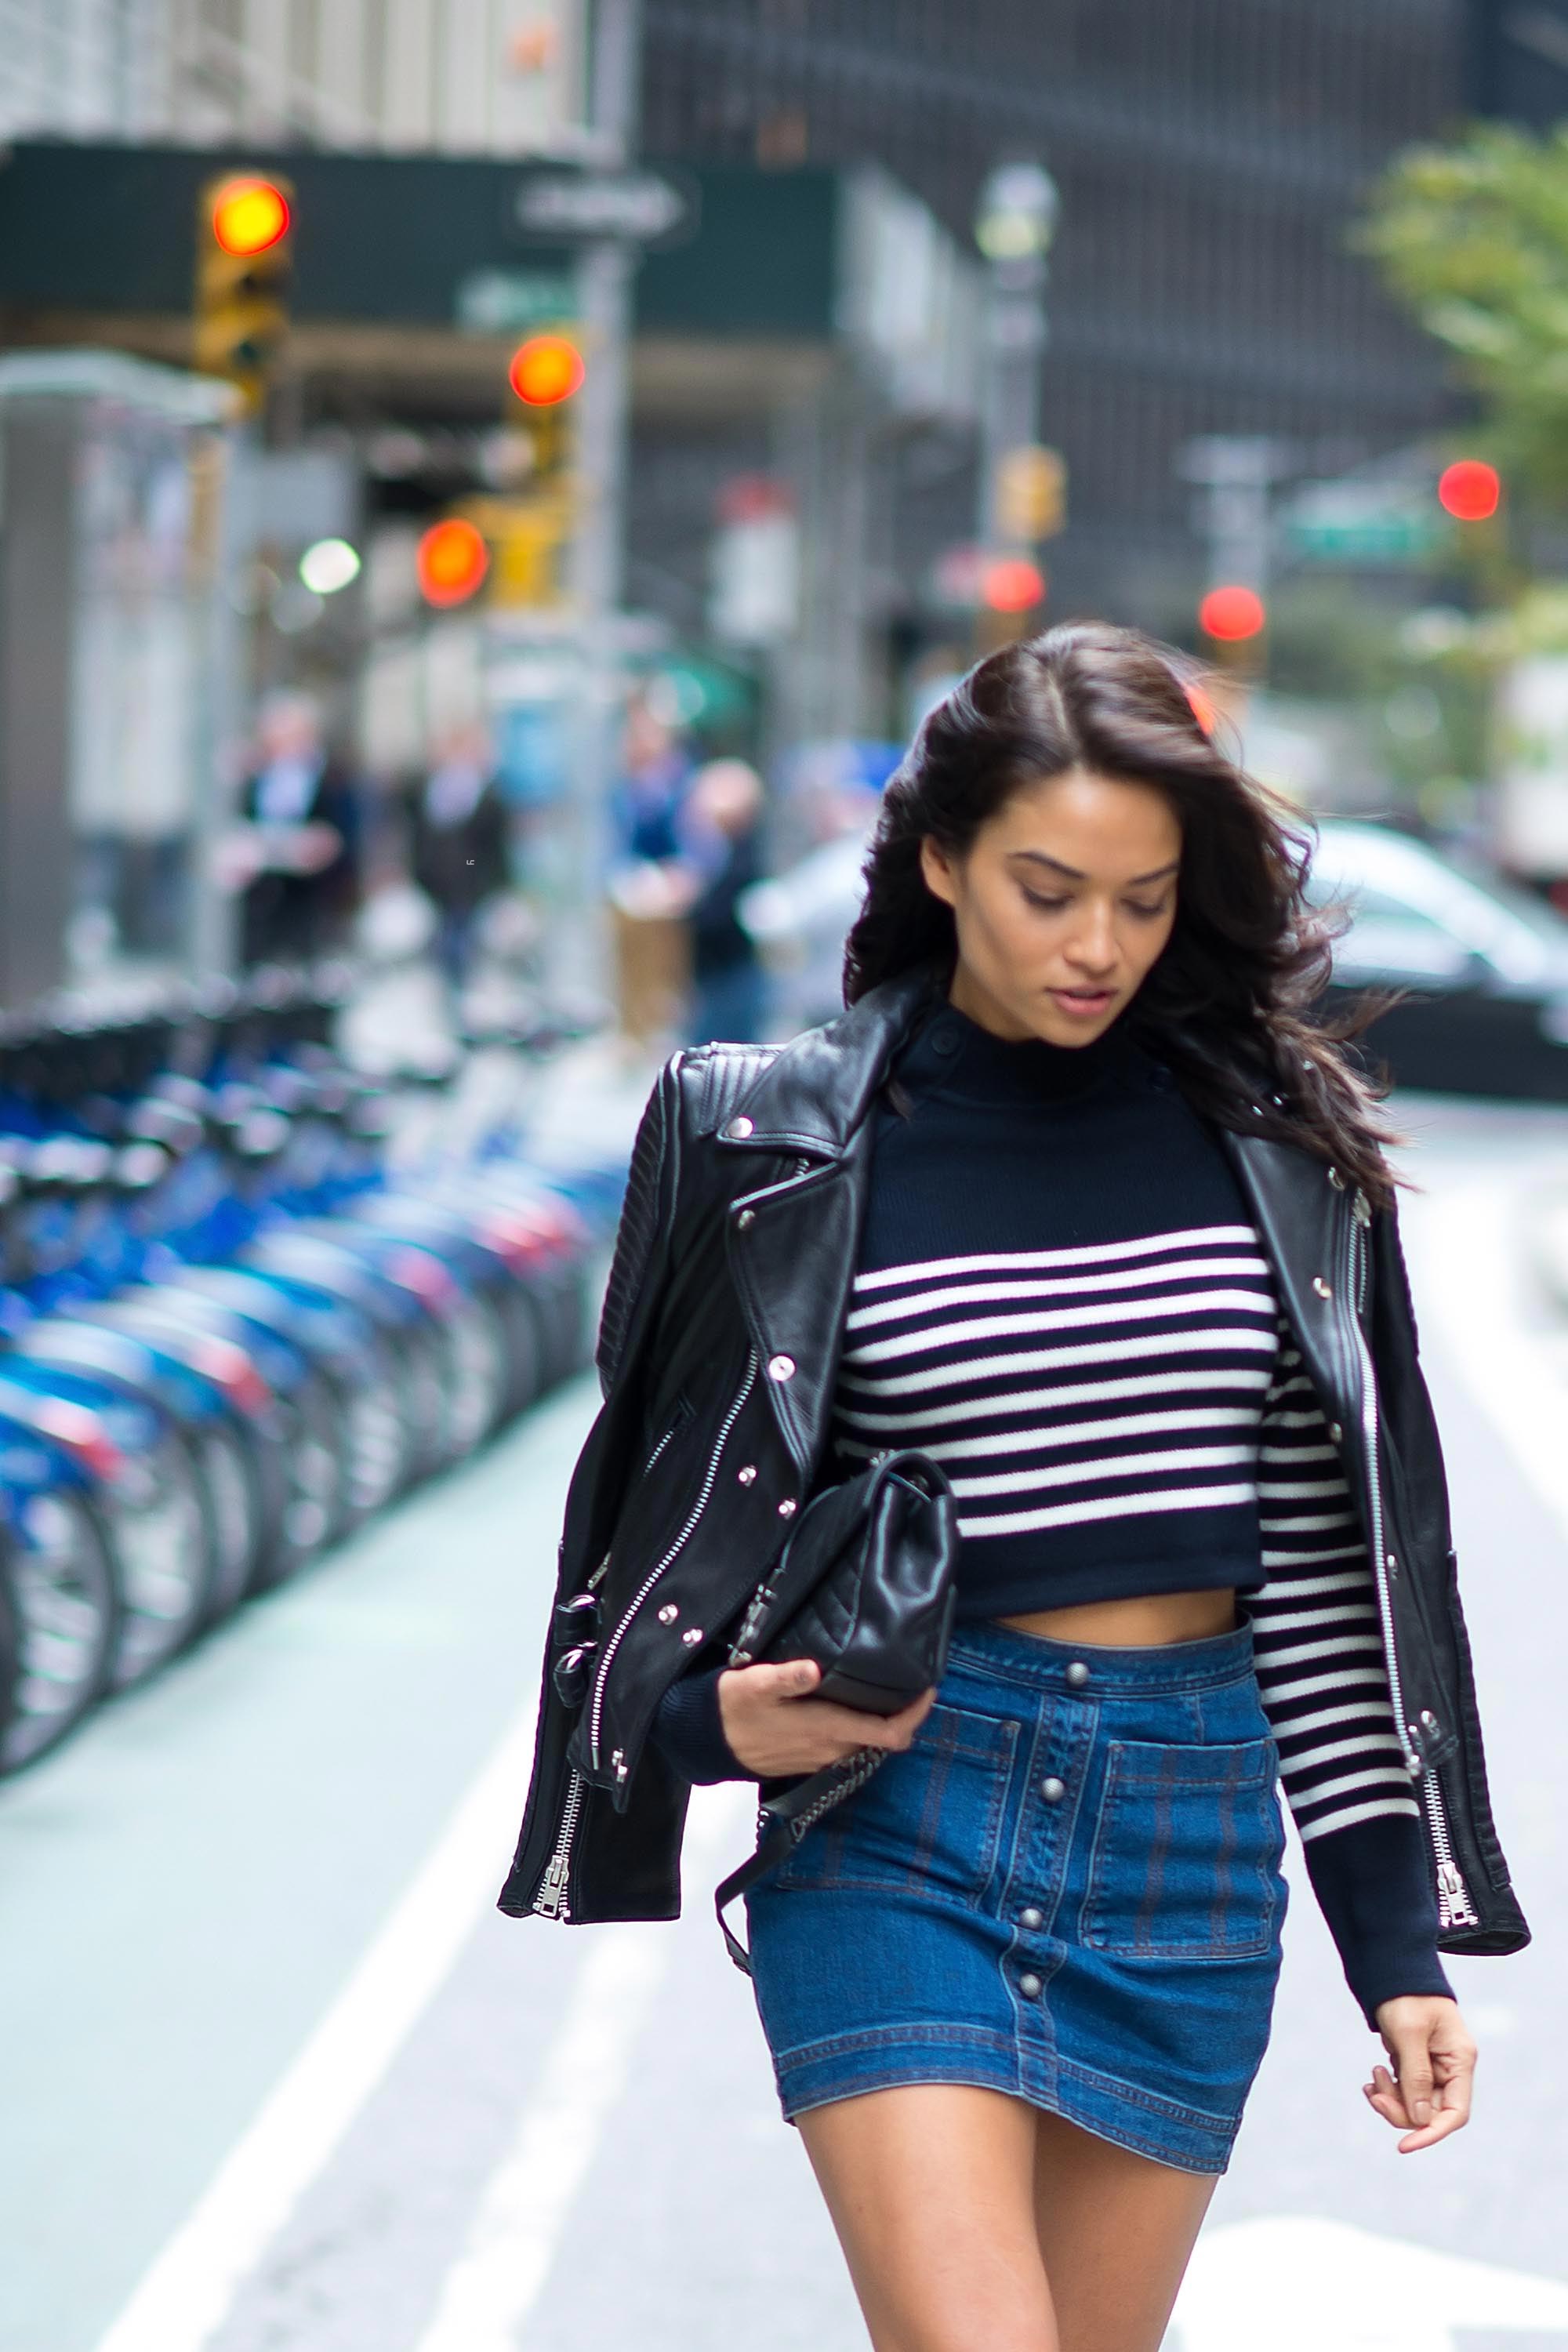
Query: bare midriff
{"type": "Point", "coordinates": [1142, 1623]}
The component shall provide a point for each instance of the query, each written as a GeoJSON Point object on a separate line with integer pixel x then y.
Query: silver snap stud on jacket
{"type": "Point", "coordinates": [1321, 1286]}
{"type": "Point", "coordinates": [747, 1477]}
{"type": "Point", "coordinates": [1031, 1988]}
{"type": "Point", "coordinates": [1335, 1431]}
{"type": "Point", "coordinates": [693, 1635]}
{"type": "Point", "coordinates": [669, 1613]}
{"type": "Point", "coordinates": [739, 1128]}
{"type": "Point", "coordinates": [1078, 1673]}
{"type": "Point", "coordinates": [781, 1368]}
{"type": "Point", "coordinates": [1031, 1917]}
{"type": "Point", "coordinates": [1336, 1180]}
{"type": "Point", "coordinates": [1053, 1790]}
{"type": "Point", "coordinates": [747, 1217]}
{"type": "Point", "coordinates": [787, 1508]}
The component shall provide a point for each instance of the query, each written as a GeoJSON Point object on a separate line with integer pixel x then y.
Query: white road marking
{"type": "Point", "coordinates": [189, 2290]}
{"type": "Point", "coordinates": [1470, 1284]}
{"type": "Point", "coordinates": [504, 2266]}
{"type": "Point", "coordinates": [1298, 2284]}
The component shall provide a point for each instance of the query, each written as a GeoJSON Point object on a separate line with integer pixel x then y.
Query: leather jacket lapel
{"type": "Point", "coordinates": [1304, 1223]}
{"type": "Point", "coordinates": [792, 1245]}
{"type": "Point", "coordinates": [794, 1265]}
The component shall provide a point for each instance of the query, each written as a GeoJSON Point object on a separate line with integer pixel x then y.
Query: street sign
{"type": "Point", "coordinates": [510, 301]}
{"type": "Point", "coordinates": [578, 207]}
{"type": "Point", "coordinates": [1366, 523]}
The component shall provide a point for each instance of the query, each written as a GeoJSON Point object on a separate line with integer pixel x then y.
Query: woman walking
{"type": "Point", "coordinates": [1075, 1200]}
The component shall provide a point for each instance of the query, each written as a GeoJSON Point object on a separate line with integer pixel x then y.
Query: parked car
{"type": "Point", "coordinates": [1486, 963]}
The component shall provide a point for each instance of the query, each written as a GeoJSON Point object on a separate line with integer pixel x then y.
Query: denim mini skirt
{"type": "Point", "coordinates": [1068, 1889]}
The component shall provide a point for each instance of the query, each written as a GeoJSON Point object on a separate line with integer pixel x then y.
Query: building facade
{"type": "Point", "coordinates": [1211, 155]}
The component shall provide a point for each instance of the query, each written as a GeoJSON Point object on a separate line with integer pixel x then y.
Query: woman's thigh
{"type": "Point", "coordinates": [1115, 2231]}
{"type": "Point", "coordinates": [931, 2187]}
{"type": "Point", "coordinates": [972, 2222]}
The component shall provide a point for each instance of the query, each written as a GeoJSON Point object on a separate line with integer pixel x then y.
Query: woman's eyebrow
{"type": "Point", "coordinates": [1135, 882]}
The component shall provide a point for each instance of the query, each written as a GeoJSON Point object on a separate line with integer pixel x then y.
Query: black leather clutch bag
{"type": "Point", "coordinates": [865, 1586]}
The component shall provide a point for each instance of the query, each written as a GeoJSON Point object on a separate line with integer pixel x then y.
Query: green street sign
{"type": "Point", "coordinates": [1370, 524]}
{"type": "Point", "coordinates": [510, 301]}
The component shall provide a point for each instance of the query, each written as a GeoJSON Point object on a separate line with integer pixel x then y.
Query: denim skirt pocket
{"type": "Point", "coordinates": [1187, 1848]}
{"type": "Point", "coordinates": [928, 1819]}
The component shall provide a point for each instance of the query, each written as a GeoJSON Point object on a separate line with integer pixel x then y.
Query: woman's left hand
{"type": "Point", "coordinates": [1428, 2094]}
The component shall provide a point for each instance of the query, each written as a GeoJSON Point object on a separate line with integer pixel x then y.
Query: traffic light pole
{"type": "Point", "coordinates": [580, 953]}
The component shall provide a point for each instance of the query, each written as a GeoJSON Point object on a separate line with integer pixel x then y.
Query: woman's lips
{"type": "Point", "coordinates": [1083, 1001]}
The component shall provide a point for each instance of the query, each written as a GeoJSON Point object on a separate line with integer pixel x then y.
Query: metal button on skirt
{"type": "Point", "coordinates": [1068, 1889]}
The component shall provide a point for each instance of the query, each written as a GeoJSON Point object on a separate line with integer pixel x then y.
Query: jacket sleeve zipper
{"type": "Point", "coordinates": [709, 1477]}
{"type": "Point", "coordinates": [1455, 1908]}
{"type": "Point", "coordinates": [552, 1900]}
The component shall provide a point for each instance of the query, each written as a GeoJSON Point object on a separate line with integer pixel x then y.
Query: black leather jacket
{"type": "Point", "coordinates": [718, 1352]}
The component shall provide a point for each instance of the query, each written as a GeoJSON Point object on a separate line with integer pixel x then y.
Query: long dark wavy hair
{"type": "Point", "coordinates": [1228, 1004]}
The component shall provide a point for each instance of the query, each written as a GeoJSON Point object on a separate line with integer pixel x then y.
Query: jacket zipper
{"type": "Point", "coordinates": [1455, 1908]}
{"type": "Point", "coordinates": [710, 1478]}
{"type": "Point", "coordinates": [551, 1901]}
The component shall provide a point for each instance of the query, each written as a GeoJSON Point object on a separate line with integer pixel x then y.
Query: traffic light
{"type": "Point", "coordinates": [527, 532]}
{"type": "Point", "coordinates": [1470, 490]}
{"type": "Point", "coordinates": [1231, 614]}
{"type": "Point", "coordinates": [244, 260]}
{"type": "Point", "coordinates": [1011, 583]}
{"type": "Point", "coordinates": [546, 370]}
{"type": "Point", "coordinates": [1029, 495]}
{"type": "Point", "coordinates": [451, 560]}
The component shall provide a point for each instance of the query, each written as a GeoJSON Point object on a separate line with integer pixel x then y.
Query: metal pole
{"type": "Point", "coordinates": [581, 954]}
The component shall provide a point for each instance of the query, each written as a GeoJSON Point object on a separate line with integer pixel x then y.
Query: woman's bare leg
{"type": "Point", "coordinates": [1115, 2232]}
{"type": "Point", "coordinates": [971, 2222]}
{"type": "Point", "coordinates": [931, 2190]}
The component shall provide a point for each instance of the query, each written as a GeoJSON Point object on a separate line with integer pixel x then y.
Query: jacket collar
{"type": "Point", "coordinates": [814, 1092]}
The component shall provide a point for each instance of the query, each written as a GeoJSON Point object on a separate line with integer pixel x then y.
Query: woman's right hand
{"type": "Point", "coordinates": [776, 1729]}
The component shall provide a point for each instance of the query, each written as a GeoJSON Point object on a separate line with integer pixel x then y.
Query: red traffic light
{"type": "Point", "coordinates": [1012, 584]}
{"type": "Point", "coordinates": [546, 370]}
{"type": "Point", "coordinates": [452, 560]}
{"type": "Point", "coordinates": [249, 216]}
{"type": "Point", "coordinates": [1470, 490]}
{"type": "Point", "coordinates": [1232, 615]}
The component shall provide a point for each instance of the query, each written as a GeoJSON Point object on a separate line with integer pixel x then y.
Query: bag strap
{"type": "Point", "coordinates": [788, 1817]}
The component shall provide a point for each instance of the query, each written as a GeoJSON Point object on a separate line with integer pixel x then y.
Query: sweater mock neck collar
{"type": "Point", "coordinates": [950, 1055]}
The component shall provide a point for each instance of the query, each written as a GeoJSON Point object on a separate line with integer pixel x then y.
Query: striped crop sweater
{"type": "Point", "coordinates": [1061, 1297]}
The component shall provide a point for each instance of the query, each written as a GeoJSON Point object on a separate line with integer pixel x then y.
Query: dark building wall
{"type": "Point", "coordinates": [1211, 155]}
{"type": "Point", "coordinates": [1518, 58]}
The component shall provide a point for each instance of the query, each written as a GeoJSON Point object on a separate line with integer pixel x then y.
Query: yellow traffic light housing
{"type": "Point", "coordinates": [244, 262]}
{"type": "Point", "coordinates": [1030, 494]}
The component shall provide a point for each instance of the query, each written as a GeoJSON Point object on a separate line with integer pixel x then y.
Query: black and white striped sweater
{"type": "Point", "coordinates": [1061, 1297]}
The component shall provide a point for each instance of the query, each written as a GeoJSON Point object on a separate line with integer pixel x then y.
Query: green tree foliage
{"type": "Point", "coordinates": [1474, 238]}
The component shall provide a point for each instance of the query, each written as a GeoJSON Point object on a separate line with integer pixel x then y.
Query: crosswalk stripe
{"type": "Point", "coordinates": [505, 2265]}
{"type": "Point", "coordinates": [185, 2297]}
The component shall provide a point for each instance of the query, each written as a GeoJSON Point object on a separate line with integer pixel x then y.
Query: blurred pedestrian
{"type": "Point", "coordinates": [649, 794]}
{"type": "Point", "coordinates": [458, 845]}
{"type": "Point", "coordinates": [294, 854]}
{"type": "Point", "coordinates": [721, 842]}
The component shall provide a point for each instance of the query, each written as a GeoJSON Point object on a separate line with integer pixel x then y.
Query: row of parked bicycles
{"type": "Point", "coordinates": [233, 1324]}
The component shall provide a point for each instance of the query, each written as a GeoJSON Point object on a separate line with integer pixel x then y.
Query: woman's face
{"type": "Point", "coordinates": [1064, 901]}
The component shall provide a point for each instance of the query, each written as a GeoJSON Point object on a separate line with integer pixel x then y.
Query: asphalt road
{"type": "Point", "coordinates": [274, 2075]}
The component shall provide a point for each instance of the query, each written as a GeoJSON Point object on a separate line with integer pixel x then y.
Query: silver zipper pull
{"type": "Point", "coordinates": [1361, 1209]}
{"type": "Point", "coordinates": [1455, 1908]}
{"type": "Point", "coordinates": [551, 1900]}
